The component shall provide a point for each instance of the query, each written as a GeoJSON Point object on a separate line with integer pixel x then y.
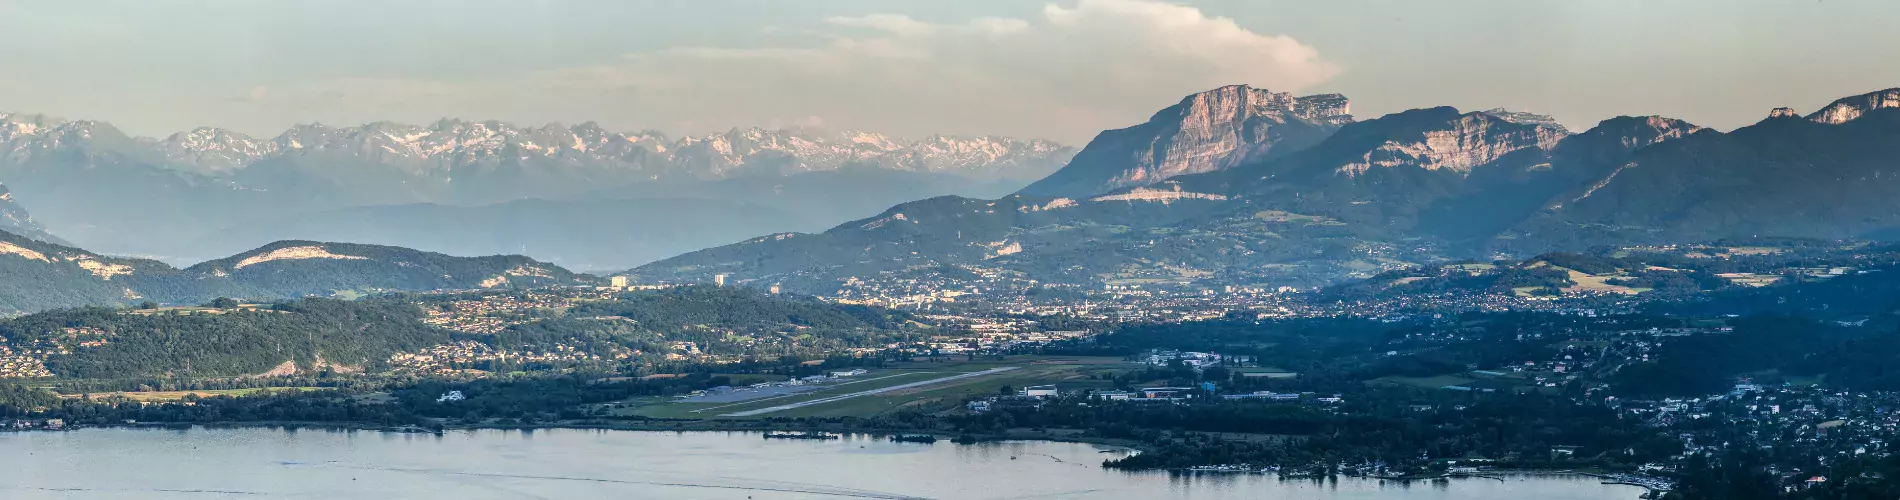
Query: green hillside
{"type": "Point", "coordinates": [42, 275]}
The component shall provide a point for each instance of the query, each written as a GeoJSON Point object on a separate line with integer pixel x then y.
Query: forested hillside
{"type": "Point", "coordinates": [41, 275]}
{"type": "Point", "coordinates": [311, 335]}
{"type": "Point", "coordinates": [498, 331]}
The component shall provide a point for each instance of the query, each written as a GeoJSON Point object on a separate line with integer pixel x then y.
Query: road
{"type": "Point", "coordinates": [841, 397]}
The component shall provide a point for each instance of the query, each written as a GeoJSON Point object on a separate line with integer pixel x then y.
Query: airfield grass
{"type": "Point", "coordinates": [1067, 372]}
{"type": "Point", "coordinates": [1266, 371]}
{"type": "Point", "coordinates": [1432, 382]}
{"type": "Point", "coordinates": [1064, 377]}
{"type": "Point", "coordinates": [662, 407]}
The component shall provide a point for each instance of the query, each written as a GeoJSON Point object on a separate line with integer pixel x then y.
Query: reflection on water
{"type": "Point", "coordinates": [562, 464]}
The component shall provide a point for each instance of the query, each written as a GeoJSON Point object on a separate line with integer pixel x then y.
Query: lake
{"type": "Point", "coordinates": [582, 464]}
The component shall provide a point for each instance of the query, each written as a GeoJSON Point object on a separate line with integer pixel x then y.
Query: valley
{"type": "Point", "coordinates": [1290, 290]}
{"type": "Point", "coordinates": [1078, 249]}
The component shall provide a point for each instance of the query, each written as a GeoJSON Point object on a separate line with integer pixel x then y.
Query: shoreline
{"type": "Point", "coordinates": [763, 427]}
{"type": "Point", "coordinates": [1649, 491]}
{"type": "Point", "coordinates": [753, 426]}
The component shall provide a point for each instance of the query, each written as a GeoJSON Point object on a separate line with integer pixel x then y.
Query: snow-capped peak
{"type": "Point", "coordinates": [214, 149]}
{"type": "Point", "coordinates": [449, 144]}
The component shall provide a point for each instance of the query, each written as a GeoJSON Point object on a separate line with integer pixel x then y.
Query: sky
{"type": "Point", "coordinates": [1056, 69]}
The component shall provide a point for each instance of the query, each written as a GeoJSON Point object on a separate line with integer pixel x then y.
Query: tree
{"type": "Point", "coordinates": [1217, 374]}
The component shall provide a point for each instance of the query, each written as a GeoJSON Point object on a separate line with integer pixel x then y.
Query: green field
{"type": "Point", "coordinates": [1432, 382]}
{"type": "Point", "coordinates": [1266, 371]}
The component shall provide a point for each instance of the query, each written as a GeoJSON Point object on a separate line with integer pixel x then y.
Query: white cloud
{"type": "Point", "coordinates": [1066, 73]}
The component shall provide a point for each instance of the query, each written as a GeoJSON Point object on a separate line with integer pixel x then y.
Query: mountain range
{"type": "Point", "coordinates": [42, 275]}
{"type": "Point", "coordinates": [182, 197]}
{"type": "Point", "coordinates": [1235, 185]}
{"type": "Point", "coordinates": [1213, 130]}
{"type": "Point", "coordinates": [1207, 191]}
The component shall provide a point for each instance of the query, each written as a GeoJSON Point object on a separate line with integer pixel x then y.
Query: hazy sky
{"type": "Point", "coordinates": [1061, 69]}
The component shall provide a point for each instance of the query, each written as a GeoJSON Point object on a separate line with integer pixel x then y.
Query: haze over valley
{"type": "Point", "coordinates": [1092, 249]}
{"type": "Point", "coordinates": [481, 188]}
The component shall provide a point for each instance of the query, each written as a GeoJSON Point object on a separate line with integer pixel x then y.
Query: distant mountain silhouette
{"type": "Point", "coordinates": [1409, 187]}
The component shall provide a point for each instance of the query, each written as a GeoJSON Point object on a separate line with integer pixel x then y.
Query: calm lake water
{"type": "Point", "coordinates": [574, 464]}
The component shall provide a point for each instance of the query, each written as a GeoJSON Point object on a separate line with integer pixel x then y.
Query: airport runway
{"type": "Point", "coordinates": [842, 397]}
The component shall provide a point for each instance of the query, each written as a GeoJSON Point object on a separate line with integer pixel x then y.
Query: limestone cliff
{"type": "Point", "coordinates": [1208, 131]}
{"type": "Point", "coordinates": [1461, 143]}
{"type": "Point", "coordinates": [1848, 108]}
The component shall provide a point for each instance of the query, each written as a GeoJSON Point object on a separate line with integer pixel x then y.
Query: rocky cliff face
{"type": "Point", "coordinates": [1439, 181]}
{"type": "Point", "coordinates": [1847, 109]}
{"type": "Point", "coordinates": [14, 219]}
{"type": "Point", "coordinates": [1205, 132]}
{"type": "Point", "coordinates": [1525, 118]}
{"type": "Point", "coordinates": [1404, 172]}
{"type": "Point", "coordinates": [1462, 143]}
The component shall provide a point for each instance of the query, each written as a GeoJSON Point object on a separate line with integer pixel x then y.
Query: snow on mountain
{"type": "Point", "coordinates": [213, 149]}
{"type": "Point", "coordinates": [24, 137]}
{"type": "Point", "coordinates": [807, 150]}
{"type": "Point", "coordinates": [449, 144]}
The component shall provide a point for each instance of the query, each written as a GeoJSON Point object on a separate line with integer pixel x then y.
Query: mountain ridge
{"type": "Point", "coordinates": [44, 275]}
{"type": "Point", "coordinates": [1404, 189]}
{"type": "Point", "coordinates": [15, 219]}
{"type": "Point", "coordinates": [1204, 132]}
{"type": "Point", "coordinates": [217, 151]}
{"type": "Point", "coordinates": [102, 189]}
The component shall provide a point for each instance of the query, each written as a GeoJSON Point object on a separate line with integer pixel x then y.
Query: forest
{"type": "Point", "coordinates": [315, 334]}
